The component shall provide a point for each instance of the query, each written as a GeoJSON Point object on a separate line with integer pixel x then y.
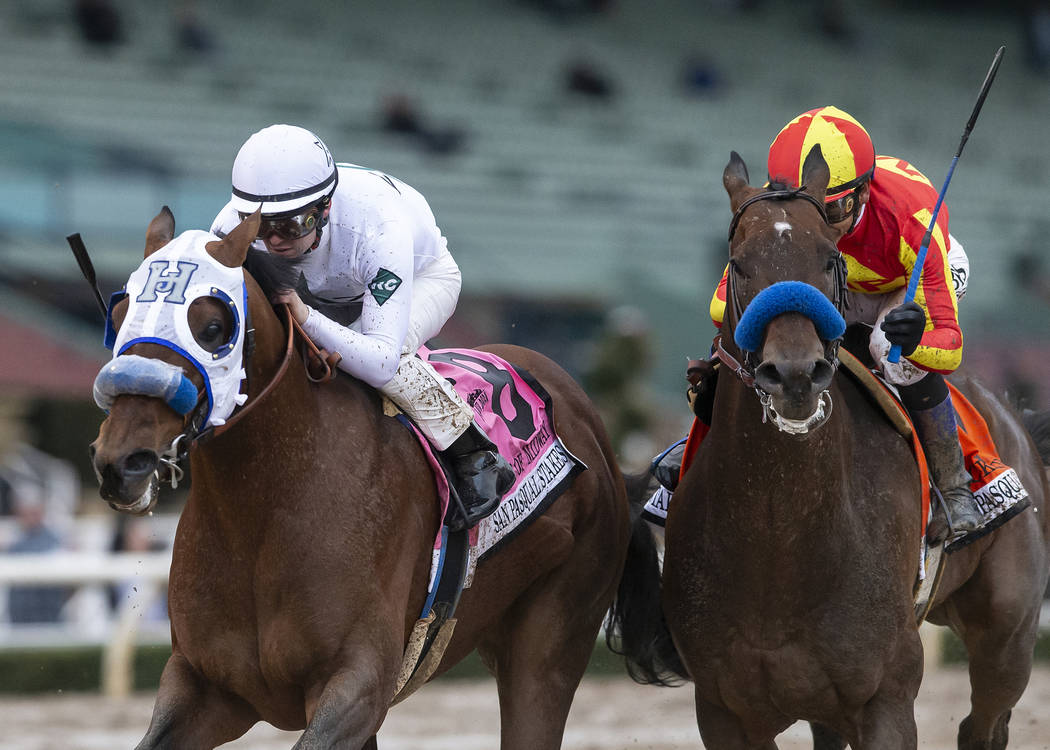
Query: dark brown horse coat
{"type": "Point", "coordinates": [302, 556]}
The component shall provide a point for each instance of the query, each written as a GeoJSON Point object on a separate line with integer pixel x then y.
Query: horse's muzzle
{"type": "Point", "coordinates": [794, 384]}
{"type": "Point", "coordinates": [128, 483]}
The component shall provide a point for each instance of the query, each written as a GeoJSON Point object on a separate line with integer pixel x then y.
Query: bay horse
{"type": "Point", "coordinates": [302, 555]}
{"type": "Point", "coordinates": [791, 554]}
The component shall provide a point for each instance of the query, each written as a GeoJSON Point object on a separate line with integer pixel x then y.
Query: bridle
{"type": "Point", "coordinates": [745, 370]}
{"type": "Point", "coordinates": [321, 368]}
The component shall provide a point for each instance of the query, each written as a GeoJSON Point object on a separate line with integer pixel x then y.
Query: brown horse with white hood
{"type": "Point", "coordinates": [302, 556]}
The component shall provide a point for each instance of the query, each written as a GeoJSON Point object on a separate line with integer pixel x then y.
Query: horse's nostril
{"type": "Point", "coordinates": [823, 372]}
{"type": "Point", "coordinates": [769, 377]}
{"type": "Point", "coordinates": [770, 373]}
{"type": "Point", "coordinates": [140, 463]}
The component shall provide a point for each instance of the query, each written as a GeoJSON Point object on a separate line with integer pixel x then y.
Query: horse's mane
{"type": "Point", "coordinates": [276, 274]}
{"type": "Point", "coordinates": [1038, 425]}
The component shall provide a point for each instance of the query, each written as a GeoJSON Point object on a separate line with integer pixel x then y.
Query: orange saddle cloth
{"type": "Point", "coordinates": [996, 486]}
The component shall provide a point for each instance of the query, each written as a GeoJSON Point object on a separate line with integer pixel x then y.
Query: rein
{"type": "Point", "coordinates": [320, 369]}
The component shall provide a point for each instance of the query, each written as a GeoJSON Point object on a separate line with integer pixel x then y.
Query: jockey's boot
{"type": "Point", "coordinates": [663, 479]}
{"type": "Point", "coordinates": [939, 436]}
{"type": "Point", "coordinates": [482, 477]}
{"type": "Point", "coordinates": [666, 467]}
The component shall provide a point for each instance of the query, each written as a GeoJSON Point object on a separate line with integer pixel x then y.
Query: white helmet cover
{"type": "Point", "coordinates": [284, 168]}
{"type": "Point", "coordinates": [159, 295]}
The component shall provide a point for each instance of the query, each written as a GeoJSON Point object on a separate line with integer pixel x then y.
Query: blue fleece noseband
{"type": "Point", "coordinates": [782, 297]}
{"type": "Point", "coordinates": [141, 376]}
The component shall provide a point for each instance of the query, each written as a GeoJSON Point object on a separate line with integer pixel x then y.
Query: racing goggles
{"type": "Point", "coordinates": [288, 227]}
{"type": "Point", "coordinates": [842, 208]}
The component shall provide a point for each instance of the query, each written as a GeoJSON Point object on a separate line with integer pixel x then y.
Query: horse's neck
{"type": "Point", "coordinates": [774, 472]}
{"type": "Point", "coordinates": [288, 439]}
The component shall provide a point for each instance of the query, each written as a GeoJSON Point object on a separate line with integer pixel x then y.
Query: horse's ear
{"type": "Point", "coordinates": [735, 179]}
{"type": "Point", "coordinates": [815, 173]}
{"type": "Point", "coordinates": [160, 231]}
{"type": "Point", "coordinates": [232, 249]}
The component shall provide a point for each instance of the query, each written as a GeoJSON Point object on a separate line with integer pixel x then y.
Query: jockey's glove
{"type": "Point", "coordinates": [904, 326]}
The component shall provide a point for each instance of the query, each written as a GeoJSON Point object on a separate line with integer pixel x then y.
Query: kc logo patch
{"type": "Point", "coordinates": [384, 285]}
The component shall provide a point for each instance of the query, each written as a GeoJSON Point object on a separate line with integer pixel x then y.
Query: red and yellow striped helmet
{"type": "Point", "coordinates": [844, 142]}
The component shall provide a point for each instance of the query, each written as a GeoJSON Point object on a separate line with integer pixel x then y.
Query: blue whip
{"type": "Point", "coordinates": [920, 259]}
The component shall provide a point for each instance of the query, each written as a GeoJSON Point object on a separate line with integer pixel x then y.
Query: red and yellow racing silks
{"type": "Point", "coordinates": [881, 251]}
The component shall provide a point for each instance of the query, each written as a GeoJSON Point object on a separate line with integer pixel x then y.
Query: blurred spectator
{"type": "Point", "coordinates": [137, 535]}
{"type": "Point", "coordinates": [191, 34]}
{"type": "Point", "coordinates": [22, 464]}
{"type": "Point", "coordinates": [585, 78]}
{"type": "Point", "coordinates": [1030, 274]}
{"type": "Point", "coordinates": [34, 604]}
{"type": "Point", "coordinates": [400, 115]}
{"type": "Point", "coordinates": [99, 21]}
{"type": "Point", "coordinates": [1035, 30]}
{"type": "Point", "coordinates": [833, 20]}
{"type": "Point", "coordinates": [700, 75]}
{"type": "Point", "coordinates": [830, 17]}
{"type": "Point", "coordinates": [615, 378]}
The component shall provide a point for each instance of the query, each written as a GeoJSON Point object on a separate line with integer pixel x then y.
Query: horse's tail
{"type": "Point", "coordinates": [1038, 425]}
{"type": "Point", "coordinates": [635, 627]}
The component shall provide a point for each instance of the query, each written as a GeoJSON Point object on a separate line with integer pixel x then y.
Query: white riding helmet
{"type": "Point", "coordinates": [283, 167]}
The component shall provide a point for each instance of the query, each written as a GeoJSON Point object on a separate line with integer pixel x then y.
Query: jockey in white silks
{"type": "Point", "coordinates": [368, 243]}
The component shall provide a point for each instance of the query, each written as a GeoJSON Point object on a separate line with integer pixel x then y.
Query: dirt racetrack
{"type": "Point", "coordinates": [609, 714]}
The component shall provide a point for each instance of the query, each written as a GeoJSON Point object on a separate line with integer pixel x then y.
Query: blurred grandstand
{"type": "Point", "coordinates": [560, 203]}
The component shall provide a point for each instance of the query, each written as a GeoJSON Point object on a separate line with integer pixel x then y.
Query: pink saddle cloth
{"type": "Point", "coordinates": [515, 412]}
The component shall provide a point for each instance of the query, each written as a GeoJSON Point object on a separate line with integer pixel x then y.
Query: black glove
{"type": "Point", "coordinates": [904, 325]}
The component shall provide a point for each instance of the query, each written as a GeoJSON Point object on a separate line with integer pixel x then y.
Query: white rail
{"type": "Point", "coordinates": [148, 570]}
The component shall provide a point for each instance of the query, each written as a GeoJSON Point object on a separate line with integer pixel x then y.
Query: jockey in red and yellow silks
{"type": "Point", "coordinates": [882, 205]}
{"type": "Point", "coordinates": [880, 252]}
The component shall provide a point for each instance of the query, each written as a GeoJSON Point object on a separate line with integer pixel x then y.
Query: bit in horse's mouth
{"type": "Point", "coordinates": [798, 426]}
{"type": "Point", "coordinates": [144, 503]}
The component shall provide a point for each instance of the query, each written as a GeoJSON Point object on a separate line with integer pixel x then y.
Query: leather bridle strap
{"type": "Point", "coordinates": [775, 195]}
{"type": "Point", "coordinates": [745, 375]}
{"type": "Point", "coordinates": [292, 326]}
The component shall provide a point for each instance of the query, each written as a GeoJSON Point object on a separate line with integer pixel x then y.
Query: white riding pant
{"type": "Point", "coordinates": [427, 398]}
{"type": "Point", "coordinates": [871, 309]}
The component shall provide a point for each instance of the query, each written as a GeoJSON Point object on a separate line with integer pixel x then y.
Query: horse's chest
{"type": "Point", "coordinates": [244, 643]}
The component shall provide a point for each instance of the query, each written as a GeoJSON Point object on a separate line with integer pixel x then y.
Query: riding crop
{"type": "Point", "coordinates": [86, 267]}
{"type": "Point", "coordinates": [920, 259]}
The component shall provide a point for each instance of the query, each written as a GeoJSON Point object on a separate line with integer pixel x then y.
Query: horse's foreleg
{"type": "Point", "coordinates": [347, 711]}
{"type": "Point", "coordinates": [193, 714]}
{"type": "Point", "coordinates": [722, 729]}
{"type": "Point", "coordinates": [826, 738]}
{"type": "Point", "coordinates": [889, 722]}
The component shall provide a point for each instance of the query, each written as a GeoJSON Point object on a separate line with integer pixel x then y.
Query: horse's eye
{"type": "Point", "coordinates": [738, 271]}
{"type": "Point", "coordinates": [212, 332]}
